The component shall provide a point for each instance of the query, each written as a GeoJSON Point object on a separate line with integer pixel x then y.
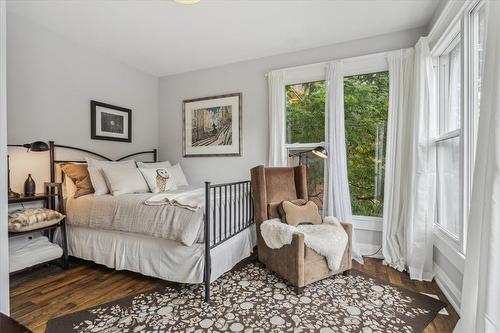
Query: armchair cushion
{"type": "Point", "coordinates": [295, 214]}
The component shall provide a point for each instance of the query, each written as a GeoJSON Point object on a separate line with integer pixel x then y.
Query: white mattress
{"type": "Point", "coordinates": [157, 257]}
{"type": "Point", "coordinates": [27, 251]}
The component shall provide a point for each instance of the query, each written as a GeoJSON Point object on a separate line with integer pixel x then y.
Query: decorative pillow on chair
{"type": "Point", "coordinates": [159, 179]}
{"type": "Point", "coordinates": [33, 218]}
{"type": "Point", "coordinates": [293, 214]}
{"type": "Point", "coordinates": [79, 175]}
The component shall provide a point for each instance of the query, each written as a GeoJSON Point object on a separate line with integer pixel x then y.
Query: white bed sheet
{"type": "Point", "coordinates": [161, 258]}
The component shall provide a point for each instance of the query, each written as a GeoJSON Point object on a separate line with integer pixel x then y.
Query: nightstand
{"type": "Point", "coordinates": [52, 199]}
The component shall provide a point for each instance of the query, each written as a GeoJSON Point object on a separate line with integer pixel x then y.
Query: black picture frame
{"type": "Point", "coordinates": [97, 134]}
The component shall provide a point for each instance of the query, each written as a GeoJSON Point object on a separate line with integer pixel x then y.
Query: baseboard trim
{"type": "Point", "coordinates": [369, 250]}
{"type": "Point", "coordinates": [451, 292]}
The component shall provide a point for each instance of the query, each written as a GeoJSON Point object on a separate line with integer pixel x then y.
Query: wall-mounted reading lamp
{"type": "Point", "coordinates": [34, 146]}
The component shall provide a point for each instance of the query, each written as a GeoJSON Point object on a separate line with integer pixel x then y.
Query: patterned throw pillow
{"type": "Point", "coordinates": [159, 180]}
{"type": "Point", "coordinates": [33, 218]}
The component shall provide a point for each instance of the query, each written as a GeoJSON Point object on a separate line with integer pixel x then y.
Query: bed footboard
{"type": "Point", "coordinates": [228, 211]}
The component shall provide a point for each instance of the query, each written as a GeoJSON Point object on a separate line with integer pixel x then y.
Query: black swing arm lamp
{"type": "Point", "coordinates": [35, 146]}
{"type": "Point", "coordinates": [319, 151]}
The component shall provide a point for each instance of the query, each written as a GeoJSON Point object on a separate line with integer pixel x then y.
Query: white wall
{"type": "Point", "coordinates": [51, 81]}
{"type": "Point", "coordinates": [248, 77]}
{"type": "Point", "coordinates": [4, 258]}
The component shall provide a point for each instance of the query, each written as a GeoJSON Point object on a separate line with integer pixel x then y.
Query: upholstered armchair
{"type": "Point", "coordinates": [296, 262]}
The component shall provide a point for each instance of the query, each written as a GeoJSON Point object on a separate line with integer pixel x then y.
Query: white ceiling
{"type": "Point", "coordinates": [163, 37]}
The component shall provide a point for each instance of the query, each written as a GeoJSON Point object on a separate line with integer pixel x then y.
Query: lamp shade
{"type": "Point", "coordinates": [37, 146]}
{"type": "Point", "coordinates": [320, 152]}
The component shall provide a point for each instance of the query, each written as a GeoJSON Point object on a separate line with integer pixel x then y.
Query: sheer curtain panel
{"type": "Point", "coordinates": [399, 118]}
{"type": "Point", "coordinates": [480, 305]}
{"type": "Point", "coordinates": [422, 158]}
{"type": "Point", "coordinates": [337, 199]}
{"type": "Point", "coordinates": [277, 114]}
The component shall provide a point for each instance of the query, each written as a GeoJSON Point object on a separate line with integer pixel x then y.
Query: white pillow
{"type": "Point", "coordinates": [125, 180]}
{"type": "Point", "coordinates": [159, 179]}
{"type": "Point", "coordinates": [95, 172]}
{"type": "Point", "coordinates": [178, 175]}
{"type": "Point", "coordinates": [154, 165]}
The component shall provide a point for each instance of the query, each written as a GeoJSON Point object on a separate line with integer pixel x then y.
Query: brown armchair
{"type": "Point", "coordinates": [296, 262]}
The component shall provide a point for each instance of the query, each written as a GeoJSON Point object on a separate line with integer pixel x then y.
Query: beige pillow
{"type": "Point", "coordinates": [125, 180]}
{"type": "Point", "coordinates": [33, 218]}
{"type": "Point", "coordinates": [96, 176]}
{"type": "Point", "coordinates": [79, 175]}
{"type": "Point", "coordinates": [293, 214]}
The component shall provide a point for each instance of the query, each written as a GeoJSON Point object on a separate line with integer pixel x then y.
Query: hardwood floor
{"type": "Point", "coordinates": [49, 292]}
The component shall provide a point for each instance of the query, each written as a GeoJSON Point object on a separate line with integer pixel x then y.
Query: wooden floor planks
{"type": "Point", "coordinates": [50, 292]}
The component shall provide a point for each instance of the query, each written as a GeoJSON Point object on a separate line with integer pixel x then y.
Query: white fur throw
{"type": "Point", "coordinates": [328, 239]}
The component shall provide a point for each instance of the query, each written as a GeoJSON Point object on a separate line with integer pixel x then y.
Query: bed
{"type": "Point", "coordinates": [164, 241]}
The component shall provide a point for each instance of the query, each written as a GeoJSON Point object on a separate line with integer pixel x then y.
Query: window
{"type": "Point", "coordinates": [448, 141]}
{"type": "Point", "coordinates": [366, 99]}
{"type": "Point", "coordinates": [305, 130]}
{"type": "Point", "coordinates": [459, 63]}
{"type": "Point", "coordinates": [366, 103]}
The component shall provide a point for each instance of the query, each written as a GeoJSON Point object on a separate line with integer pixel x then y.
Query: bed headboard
{"type": "Point", "coordinates": [54, 162]}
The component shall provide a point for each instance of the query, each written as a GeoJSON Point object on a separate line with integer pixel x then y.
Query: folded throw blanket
{"type": "Point", "coordinates": [328, 239]}
{"type": "Point", "coordinates": [192, 200]}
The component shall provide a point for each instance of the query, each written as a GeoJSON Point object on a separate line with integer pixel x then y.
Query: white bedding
{"type": "Point", "coordinates": [161, 258]}
{"type": "Point", "coordinates": [128, 213]}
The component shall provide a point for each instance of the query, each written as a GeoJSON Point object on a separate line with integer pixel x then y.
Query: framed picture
{"type": "Point", "coordinates": [110, 122]}
{"type": "Point", "coordinates": [212, 126]}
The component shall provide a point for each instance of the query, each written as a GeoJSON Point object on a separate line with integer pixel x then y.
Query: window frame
{"type": "Point", "coordinates": [300, 75]}
{"type": "Point", "coordinates": [367, 64]}
{"type": "Point", "coordinates": [463, 28]}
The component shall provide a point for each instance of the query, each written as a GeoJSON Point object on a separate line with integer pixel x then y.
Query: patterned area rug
{"type": "Point", "coordinates": [253, 299]}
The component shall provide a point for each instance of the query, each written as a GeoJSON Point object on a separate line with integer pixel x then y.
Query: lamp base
{"type": "Point", "coordinates": [13, 194]}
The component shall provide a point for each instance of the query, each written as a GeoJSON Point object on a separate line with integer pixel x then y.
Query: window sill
{"type": "Point", "coordinates": [369, 223]}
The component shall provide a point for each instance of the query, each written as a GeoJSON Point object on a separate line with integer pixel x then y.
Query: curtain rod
{"type": "Point", "coordinates": [350, 59]}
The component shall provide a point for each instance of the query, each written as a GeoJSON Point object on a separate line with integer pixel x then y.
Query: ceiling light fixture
{"type": "Point", "coordinates": [187, 2]}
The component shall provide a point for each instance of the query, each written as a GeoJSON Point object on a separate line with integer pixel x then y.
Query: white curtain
{"type": "Point", "coordinates": [337, 199]}
{"type": "Point", "coordinates": [410, 163]}
{"type": "Point", "coordinates": [480, 305]}
{"type": "Point", "coordinates": [421, 187]}
{"type": "Point", "coordinates": [277, 121]}
{"type": "Point", "coordinates": [399, 119]}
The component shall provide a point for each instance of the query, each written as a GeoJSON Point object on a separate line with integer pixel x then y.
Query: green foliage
{"type": "Point", "coordinates": [366, 99]}
{"type": "Point", "coordinates": [366, 102]}
{"type": "Point", "coordinates": [305, 119]}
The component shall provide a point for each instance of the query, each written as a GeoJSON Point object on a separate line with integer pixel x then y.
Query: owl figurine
{"type": "Point", "coordinates": [162, 177]}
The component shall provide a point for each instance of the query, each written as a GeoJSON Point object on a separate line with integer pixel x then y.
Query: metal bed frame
{"type": "Point", "coordinates": [235, 211]}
